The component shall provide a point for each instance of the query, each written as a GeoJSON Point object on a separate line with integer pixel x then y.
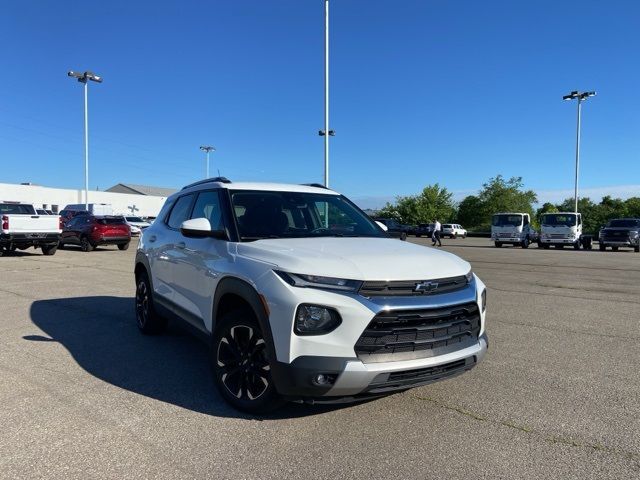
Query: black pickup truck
{"type": "Point", "coordinates": [394, 228]}
{"type": "Point", "coordinates": [620, 232]}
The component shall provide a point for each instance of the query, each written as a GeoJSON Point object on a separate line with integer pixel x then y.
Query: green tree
{"type": "Point", "coordinates": [500, 195]}
{"type": "Point", "coordinates": [471, 212]}
{"type": "Point", "coordinates": [497, 195]}
{"type": "Point", "coordinates": [434, 202]}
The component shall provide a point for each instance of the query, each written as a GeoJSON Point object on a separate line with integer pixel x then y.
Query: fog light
{"type": "Point", "coordinates": [324, 379]}
{"type": "Point", "coordinates": [315, 320]}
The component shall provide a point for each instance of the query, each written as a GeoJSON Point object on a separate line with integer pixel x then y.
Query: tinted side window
{"type": "Point", "coordinates": [180, 211]}
{"type": "Point", "coordinates": [208, 206]}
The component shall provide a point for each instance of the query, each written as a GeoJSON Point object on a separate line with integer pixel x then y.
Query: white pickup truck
{"type": "Point", "coordinates": [22, 228]}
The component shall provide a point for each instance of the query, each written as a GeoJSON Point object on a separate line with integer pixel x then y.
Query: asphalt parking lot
{"type": "Point", "coordinates": [84, 395]}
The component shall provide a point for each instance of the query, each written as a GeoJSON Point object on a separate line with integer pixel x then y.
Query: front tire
{"type": "Point", "coordinates": [498, 245]}
{"type": "Point", "coordinates": [615, 249]}
{"type": "Point", "coordinates": [602, 247]}
{"type": "Point", "coordinates": [241, 367]}
{"type": "Point", "coordinates": [148, 320]}
{"type": "Point", "coordinates": [525, 243]}
{"type": "Point", "coordinates": [636, 249]}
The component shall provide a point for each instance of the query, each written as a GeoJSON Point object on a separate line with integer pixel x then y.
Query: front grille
{"type": "Point", "coordinates": [558, 235]}
{"type": "Point", "coordinates": [508, 235]}
{"type": "Point", "coordinates": [410, 334]}
{"type": "Point", "coordinates": [407, 288]}
{"type": "Point", "coordinates": [386, 382]}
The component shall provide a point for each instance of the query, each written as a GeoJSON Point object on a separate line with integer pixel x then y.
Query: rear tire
{"type": "Point", "coordinates": [123, 246]}
{"type": "Point", "coordinates": [86, 245]}
{"type": "Point", "coordinates": [241, 367]}
{"type": "Point", "coordinates": [148, 320]}
{"type": "Point", "coordinates": [49, 249]}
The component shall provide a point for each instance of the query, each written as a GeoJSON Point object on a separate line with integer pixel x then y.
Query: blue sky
{"type": "Point", "coordinates": [422, 92]}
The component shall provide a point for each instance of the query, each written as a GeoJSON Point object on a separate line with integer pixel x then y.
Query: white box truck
{"type": "Point", "coordinates": [512, 228]}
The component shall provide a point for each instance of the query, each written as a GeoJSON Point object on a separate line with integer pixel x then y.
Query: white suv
{"type": "Point", "coordinates": [301, 296]}
{"type": "Point", "coordinates": [453, 230]}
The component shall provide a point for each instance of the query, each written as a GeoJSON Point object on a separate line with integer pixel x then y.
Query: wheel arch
{"type": "Point", "coordinates": [232, 293]}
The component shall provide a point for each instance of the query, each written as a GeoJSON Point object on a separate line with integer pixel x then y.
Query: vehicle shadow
{"type": "Point", "coordinates": [100, 333]}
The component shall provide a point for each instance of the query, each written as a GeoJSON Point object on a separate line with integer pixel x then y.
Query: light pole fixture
{"type": "Point", "coordinates": [581, 97]}
{"type": "Point", "coordinates": [326, 133]}
{"type": "Point", "coordinates": [207, 149]}
{"type": "Point", "coordinates": [85, 78]}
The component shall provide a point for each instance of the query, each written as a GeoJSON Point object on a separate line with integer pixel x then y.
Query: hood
{"type": "Point", "coordinates": [356, 258]}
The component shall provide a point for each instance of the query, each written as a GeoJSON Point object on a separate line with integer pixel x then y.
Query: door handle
{"type": "Point", "coordinates": [152, 238]}
{"type": "Point", "coordinates": [180, 245]}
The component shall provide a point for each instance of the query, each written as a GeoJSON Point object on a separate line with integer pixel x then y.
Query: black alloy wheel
{"type": "Point", "coordinates": [241, 364]}
{"type": "Point", "coordinates": [147, 319]}
{"type": "Point", "coordinates": [85, 244]}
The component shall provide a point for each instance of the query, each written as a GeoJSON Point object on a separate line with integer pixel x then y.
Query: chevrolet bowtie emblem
{"type": "Point", "coordinates": [426, 287]}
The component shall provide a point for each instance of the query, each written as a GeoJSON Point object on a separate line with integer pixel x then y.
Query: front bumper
{"type": "Point", "coordinates": [355, 380]}
{"type": "Point", "coordinates": [559, 241]}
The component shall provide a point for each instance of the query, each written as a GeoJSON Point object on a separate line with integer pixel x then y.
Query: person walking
{"type": "Point", "coordinates": [435, 237]}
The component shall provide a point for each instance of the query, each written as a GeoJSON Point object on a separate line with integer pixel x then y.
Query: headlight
{"type": "Point", "coordinates": [469, 276]}
{"type": "Point", "coordinates": [633, 234]}
{"type": "Point", "coordinates": [315, 320]}
{"type": "Point", "coordinates": [315, 281]}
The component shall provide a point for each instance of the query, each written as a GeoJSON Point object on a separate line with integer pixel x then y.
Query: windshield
{"type": "Point", "coordinates": [507, 220]}
{"type": "Point", "coordinates": [134, 219]}
{"type": "Point", "coordinates": [624, 223]}
{"type": "Point", "coordinates": [555, 219]}
{"type": "Point", "coordinates": [269, 214]}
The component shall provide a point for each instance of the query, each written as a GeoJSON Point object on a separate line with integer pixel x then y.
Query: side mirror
{"type": "Point", "coordinates": [382, 226]}
{"type": "Point", "coordinates": [201, 228]}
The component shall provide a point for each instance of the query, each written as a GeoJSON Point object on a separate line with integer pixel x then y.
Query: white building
{"type": "Point", "coordinates": [147, 201]}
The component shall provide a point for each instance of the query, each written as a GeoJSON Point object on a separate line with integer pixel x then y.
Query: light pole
{"type": "Point", "coordinates": [580, 96]}
{"type": "Point", "coordinates": [326, 133]}
{"type": "Point", "coordinates": [207, 149]}
{"type": "Point", "coordinates": [84, 78]}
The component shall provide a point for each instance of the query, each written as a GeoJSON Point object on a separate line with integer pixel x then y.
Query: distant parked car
{"type": "Point", "coordinates": [453, 230]}
{"type": "Point", "coordinates": [89, 231]}
{"type": "Point", "coordinates": [66, 215]}
{"type": "Point", "coordinates": [424, 230]}
{"type": "Point", "coordinates": [137, 224]}
{"type": "Point", "coordinates": [394, 228]}
{"type": "Point", "coordinates": [621, 232]}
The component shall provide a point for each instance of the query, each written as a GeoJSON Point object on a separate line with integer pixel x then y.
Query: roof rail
{"type": "Point", "coordinates": [207, 180]}
{"type": "Point", "coordinates": [317, 185]}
